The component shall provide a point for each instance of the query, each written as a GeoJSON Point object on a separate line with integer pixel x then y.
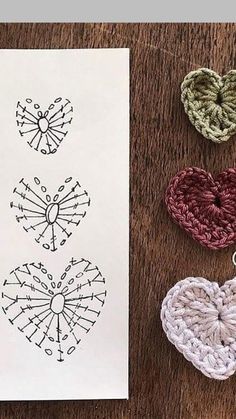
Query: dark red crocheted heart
{"type": "Point", "coordinates": [205, 206]}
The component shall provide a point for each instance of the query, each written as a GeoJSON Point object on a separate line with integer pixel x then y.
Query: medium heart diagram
{"type": "Point", "coordinates": [50, 218]}
{"type": "Point", "coordinates": [54, 314]}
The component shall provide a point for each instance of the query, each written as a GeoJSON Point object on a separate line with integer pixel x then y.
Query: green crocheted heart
{"type": "Point", "coordinates": [210, 103]}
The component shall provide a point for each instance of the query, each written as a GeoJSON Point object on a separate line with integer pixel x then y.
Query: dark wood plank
{"type": "Point", "coordinates": [162, 383]}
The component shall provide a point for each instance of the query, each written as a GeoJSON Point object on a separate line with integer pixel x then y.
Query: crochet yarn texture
{"type": "Point", "coordinates": [210, 103]}
{"type": "Point", "coordinates": [199, 318]}
{"type": "Point", "coordinates": [204, 206]}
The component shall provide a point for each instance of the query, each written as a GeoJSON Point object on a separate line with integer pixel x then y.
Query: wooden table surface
{"type": "Point", "coordinates": [162, 383]}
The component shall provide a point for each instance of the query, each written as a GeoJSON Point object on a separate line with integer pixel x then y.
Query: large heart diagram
{"type": "Point", "coordinates": [199, 318]}
{"type": "Point", "coordinates": [54, 313]}
{"type": "Point", "coordinates": [50, 218]}
{"type": "Point", "coordinates": [204, 205]}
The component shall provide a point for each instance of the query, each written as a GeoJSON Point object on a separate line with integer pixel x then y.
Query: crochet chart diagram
{"type": "Point", "coordinates": [50, 218]}
{"type": "Point", "coordinates": [54, 315]}
{"type": "Point", "coordinates": [44, 131]}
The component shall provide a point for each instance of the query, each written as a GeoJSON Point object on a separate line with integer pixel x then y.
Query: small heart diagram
{"type": "Point", "coordinates": [44, 130]}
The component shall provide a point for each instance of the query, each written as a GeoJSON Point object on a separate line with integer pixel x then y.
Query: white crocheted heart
{"type": "Point", "coordinates": [199, 318]}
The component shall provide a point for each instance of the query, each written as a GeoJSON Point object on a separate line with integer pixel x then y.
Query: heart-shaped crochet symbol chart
{"type": "Point", "coordinates": [210, 103]}
{"type": "Point", "coordinates": [54, 314]}
{"type": "Point", "coordinates": [199, 318]}
{"type": "Point", "coordinates": [44, 130]}
{"type": "Point", "coordinates": [205, 206]}
{"type": "Point", "coordinates": [50, 218]}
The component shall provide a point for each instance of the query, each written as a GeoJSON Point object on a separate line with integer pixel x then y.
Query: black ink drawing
{"type": "Point", "coordinates": [44, 130]}
{"type": "Point", "coordinates": [50, 218]}
{"type": "Point", "coordinates": [54, 315]}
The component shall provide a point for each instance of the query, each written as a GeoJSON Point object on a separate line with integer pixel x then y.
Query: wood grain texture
{"type": "Point", "coordinates": [163, 385]}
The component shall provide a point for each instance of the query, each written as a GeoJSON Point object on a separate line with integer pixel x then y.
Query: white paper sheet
{"type": "Point", "coordinates": [64, 163]}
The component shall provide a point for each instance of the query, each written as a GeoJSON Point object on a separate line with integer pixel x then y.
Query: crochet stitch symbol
{"type": "Point", "coordinates": [210, 103]}
{"type": "Point", "coordinates": [50, 218]}
{"type": "Point", "coordinates": [44, 130]}
{"type": "Point", "coordinates": [205, 206]}
{"type": "Point", "coordinates": [199, 318]}
{"type": "Point", "coordinates": [54, 315]}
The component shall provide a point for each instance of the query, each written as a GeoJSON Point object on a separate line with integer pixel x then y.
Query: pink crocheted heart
{"type": "Point", "coordinates": [199, 318]}
{"type": "Point", "coordinates": [205, 206]}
